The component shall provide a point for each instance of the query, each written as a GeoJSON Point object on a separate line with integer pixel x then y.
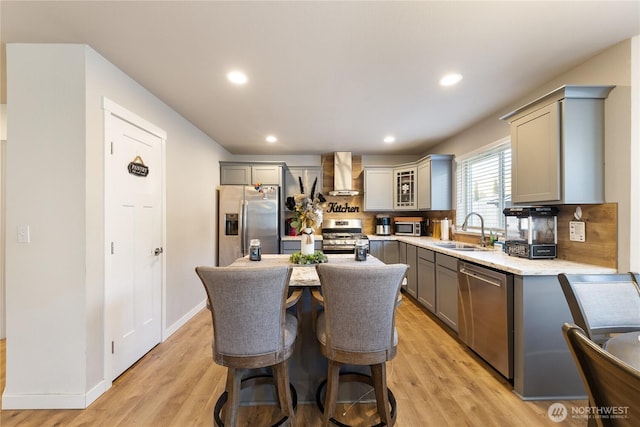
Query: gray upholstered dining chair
{"type": "Point", "coordinates": [357, 327]}
{"type": "Point", "coordinates": [251, 329]}
{"type": "Point", "coordinates": [603, 304]}
{"type": "Point", "coordinates": [611, 384]}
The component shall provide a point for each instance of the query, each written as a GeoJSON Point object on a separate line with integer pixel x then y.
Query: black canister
{"type": "Point", "coordinates": [361, 250]}
{"type": "Point", "coordinates": [255, 252]}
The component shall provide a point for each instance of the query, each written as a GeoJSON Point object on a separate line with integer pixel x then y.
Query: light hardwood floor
{"type": "Point", "coordinates": [436, 380]}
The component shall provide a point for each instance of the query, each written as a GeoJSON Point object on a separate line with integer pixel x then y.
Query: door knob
{"type": "Point", "coordinates": [158, 251]}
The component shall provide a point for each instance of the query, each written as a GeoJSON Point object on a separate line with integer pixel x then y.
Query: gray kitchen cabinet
{"type": "Point", "coordinates": [434, 182]}
{"type": "Point", "coordinates": [307, 173]}
{"type": "Point", "coordinates": [447, 290]}
{"type": "Point", "coordinates": [376, 248]}
{"type": "Point", "coordinates": [232, 173]}
{"type": "Point", "coordinates": [385, 250]}
{"type": "Point", "coordinates": [427, 279]}
{"type": "Point", "coordinates": [405, 188]}
{"type": "Point", "coordinates": [557, 147]}
{"type": "Point", "coordinates": [402, 258]}
{"type": "Point", "coordinates": [412, 272]}
{"type": "Point", "coordinates": [391, 252]}
{"type": "Point", "coordinates": [378, 189]}
{"type": "Point", "coordinates": [293, 246]}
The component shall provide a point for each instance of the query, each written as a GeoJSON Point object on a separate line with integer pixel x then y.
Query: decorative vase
{"type": "Point", "coordinates": [307, 241]}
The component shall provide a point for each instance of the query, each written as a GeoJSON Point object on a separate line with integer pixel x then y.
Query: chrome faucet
{"type": "Point", "coordinates": [464, 226]}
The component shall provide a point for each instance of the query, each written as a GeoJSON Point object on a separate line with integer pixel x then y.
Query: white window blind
{"type": "Point", "coordinates": [483, 184]}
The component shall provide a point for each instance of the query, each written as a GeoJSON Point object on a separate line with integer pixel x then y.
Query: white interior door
{"type": "Point", "coordinates": [135, 237]}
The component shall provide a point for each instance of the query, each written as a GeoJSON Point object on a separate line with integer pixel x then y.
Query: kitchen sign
{"type": "Point", "coordinates": [340, 208]}
{"type": "Point", "coordinates": [138, 168]}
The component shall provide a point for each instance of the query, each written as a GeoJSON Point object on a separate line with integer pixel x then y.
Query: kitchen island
{"type": "Point", "coordinates": [307, 366]}
{"type": "Point", "coordinates": [543, 366]}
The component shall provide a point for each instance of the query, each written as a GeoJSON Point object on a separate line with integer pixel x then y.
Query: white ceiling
{"type": "Point", "coordinates": [331, 76]}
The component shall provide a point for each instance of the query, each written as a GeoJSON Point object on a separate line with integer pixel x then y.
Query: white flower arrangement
{"type": "Point", "coordinates": [308, 209]}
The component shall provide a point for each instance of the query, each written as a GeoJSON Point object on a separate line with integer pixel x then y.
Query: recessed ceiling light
{"type": "Point", "coordinates": [450, 79]}
{"type": "Point", "coordinates": [389, 139]}
{"type": "Point", "coordinates": [237, 77]}
{"type": "Point", "coordinates": [271, 138]}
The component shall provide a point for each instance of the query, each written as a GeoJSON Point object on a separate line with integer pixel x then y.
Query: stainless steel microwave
{"type": "Point", "coordinates": [407, 228]}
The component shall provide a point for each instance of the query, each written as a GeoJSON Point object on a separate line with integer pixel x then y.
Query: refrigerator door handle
{"type": "Point", "coordinates": [243, 226]}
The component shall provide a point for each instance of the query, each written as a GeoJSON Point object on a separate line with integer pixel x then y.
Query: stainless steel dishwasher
{"type": "Point", "coordinates": [485, 314]}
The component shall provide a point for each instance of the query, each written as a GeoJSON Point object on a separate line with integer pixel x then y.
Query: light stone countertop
{"type": "Point", "coordinates": [304, 275]}
{"type": "Point", "coordinates": [502, 261]}
{"type": "Point", "coordinates": [297, 238]}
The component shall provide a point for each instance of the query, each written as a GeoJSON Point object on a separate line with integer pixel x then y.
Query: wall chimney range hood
{"type": "Point", "coordinates": [342, 177]}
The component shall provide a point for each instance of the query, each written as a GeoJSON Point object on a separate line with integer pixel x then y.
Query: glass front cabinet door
{"type": "Point", "coordinates": [404, 190]}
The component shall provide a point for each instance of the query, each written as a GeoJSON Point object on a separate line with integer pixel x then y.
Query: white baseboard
{"type": "Point", "coordinates": [183, 320]}
{"type": "Point", "coordinates": [96, 392]}
{"type": "Point", "coordinates": [54, 401]}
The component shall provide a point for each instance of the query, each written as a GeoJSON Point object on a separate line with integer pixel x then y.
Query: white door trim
{"type": "Point", "coordinates": [112, 109]}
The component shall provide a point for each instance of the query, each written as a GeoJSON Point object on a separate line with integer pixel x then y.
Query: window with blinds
{"type": "Point", "coordinates": [483, 183]}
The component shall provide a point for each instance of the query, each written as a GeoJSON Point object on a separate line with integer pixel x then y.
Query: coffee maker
{"type": "Point", "coordinates": [383, 225]}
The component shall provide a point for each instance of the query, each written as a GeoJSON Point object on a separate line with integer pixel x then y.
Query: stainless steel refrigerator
{"type": "Point", "coordinates": [245, 214]}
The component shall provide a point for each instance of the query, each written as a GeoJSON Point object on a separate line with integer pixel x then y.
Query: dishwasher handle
{"type": "Point", "coordinates": [480, 276]}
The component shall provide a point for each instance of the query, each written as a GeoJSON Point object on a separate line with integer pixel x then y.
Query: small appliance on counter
{"type": "Point", "coordinates": [383, 225]}
{"type": "Point", "coordinates": [531, 232]}
{"type": "Point", "coordinates": [410, 226]}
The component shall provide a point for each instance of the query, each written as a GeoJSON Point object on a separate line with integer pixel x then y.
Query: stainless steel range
{"type": "Point", "coordinates": [339, 236]}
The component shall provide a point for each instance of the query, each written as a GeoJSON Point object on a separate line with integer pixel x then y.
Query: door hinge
{"type": "Point", "coordinates": [113, 347]}
{"type": "Point", "coordinates": [111, 147]}
{"type": "Point", "coordinates": [111, 248]}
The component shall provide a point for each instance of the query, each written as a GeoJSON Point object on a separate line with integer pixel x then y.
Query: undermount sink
{"type": "Point", "coordinates": [460, 246]}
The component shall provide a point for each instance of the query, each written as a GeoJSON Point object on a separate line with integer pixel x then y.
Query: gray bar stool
{"type": "Point", "coordinates": [251, 330]}
{"type": "Point", "coordinates": [357, 327]}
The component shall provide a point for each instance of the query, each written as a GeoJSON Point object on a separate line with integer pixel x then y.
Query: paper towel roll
{"type": "Point", "coordinates": [444, 229]}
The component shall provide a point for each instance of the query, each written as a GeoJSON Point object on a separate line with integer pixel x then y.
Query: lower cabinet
{"type": "Point", "coordinates": [427, 279]}
{"type": "Point", "coordinates": [293, 246]}
{"type": "Point", "coordinates": [391, 252]}
{"type": "Point", "coordinates": [412, 272]}
{"type": "Point", "coordinates": [385, 250]}
{"type": "Point", "coordinates": [447, 290]}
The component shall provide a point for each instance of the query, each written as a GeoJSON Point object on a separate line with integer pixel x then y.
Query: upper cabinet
{"type": "Point", "coordinates": [308, 174]}
{"type": "Point", "coordinates": [233, 173]}
{"type": "Point", "coordinates": [405, 195]}
{"type": "Point", "coordinates": [557, 147]}
{"type": "Point", "coordinates": [423, 185]}
{"type": "Point", "coordinates": [378, 189]}
{"type": "Point", "coordinates": [434, 182]}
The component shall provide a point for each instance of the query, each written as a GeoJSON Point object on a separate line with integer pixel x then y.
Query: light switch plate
{"type": "Point", "coordinates": [577, 231]}
{"type": "Point", "coordinates": [23, 234]}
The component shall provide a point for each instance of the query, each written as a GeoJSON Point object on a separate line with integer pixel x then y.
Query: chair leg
{"type": "Point", "coordinates": [281, 374]}
{"type": "Point", "coordinates": [379, 374]}
{"type": "Point", "coordinates": [333, 380]}
{"type": "Point", "coordinates": [233, 386]}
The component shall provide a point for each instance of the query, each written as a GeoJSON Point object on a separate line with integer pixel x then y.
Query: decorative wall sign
{"type": "Point", "coordinates": [340, 208]}
{"type": "Point", "coordinates": [138, 168]}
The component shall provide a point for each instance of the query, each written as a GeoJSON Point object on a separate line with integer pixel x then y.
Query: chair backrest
{"type": "Point", "coordinates": [602, 304]}
{"type": "Point", "coordinates": [359, 305]}
{"type": "Point", "coordinates": [612, 385]}
{"type": "Point", "coordinates": [247, 307]}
